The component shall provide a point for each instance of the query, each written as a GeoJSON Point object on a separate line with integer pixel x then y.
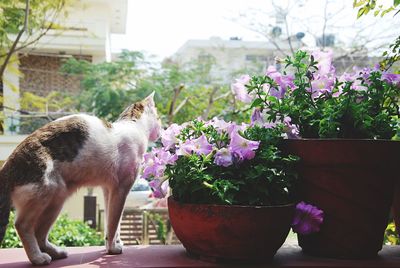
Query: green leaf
{"type": "Point", "coordinates": [361, 12]}
{"type": "Point", "coordinates": [256, 103]}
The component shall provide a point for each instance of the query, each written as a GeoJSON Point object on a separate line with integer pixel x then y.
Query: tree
{"type": "Point", "coordinates": [326, 25]}
{"type": "Point", "coordinates": [182, 92]}
{"type": "Point", "coordinates": [23, 23]}
{"type": "Point", "coordinates": [391, 55]}
{"type": "Point", "coordinates": [108, 87]}
{"type": "Point", "coordinates": [187, 91]}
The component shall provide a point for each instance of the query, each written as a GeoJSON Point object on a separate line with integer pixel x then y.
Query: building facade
{"type": "Point", "coordinates": [235, 56]}
{"type": "Point", "coordinates": [85, 33]}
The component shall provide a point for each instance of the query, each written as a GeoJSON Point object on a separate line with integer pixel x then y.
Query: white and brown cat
{"type": "Point", "coordinates": [64, 155]}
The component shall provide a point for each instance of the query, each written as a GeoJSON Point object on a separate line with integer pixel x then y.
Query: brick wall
{"type": "Point", "coordinates": [40, 75]}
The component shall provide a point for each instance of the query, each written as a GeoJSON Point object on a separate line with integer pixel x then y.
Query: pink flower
{"type": "Point", "coordinates": [165, 157]}
{"type": "Point", "coordinates": [153, 168]}
{"type": "Point", "coordinates": [239, 89]}
{"type": "Point", "coordinates": [284, 82]}
{"type": "Point", "coordinates": [234, 128]}
{"type": "Point", "coordinates": [219, 124]}
{"type": "Point", "coordinates": [242, 148]}
{"type": "Point", "coordinates": [169, 136]}
{"type": "Point", "coordinates": [356, 83]}
{"type": "Point", "coordinates": [223, 157]}
{"type": "Point", "coordinates": [199, 146]}
{"type": "Point", "coordinates": [307, 219]}
{"type": "Point", "coordinates": [391, 78]}
{"type": "Point", "coordinates": [321, 85]}
{"type": "Point", "coordinates": [155, 163]}
{"type": "Point", "coordinates": [291, 130]}
{"type": "Point", "coordinates": [256, 117]}
{"type": "Point", "coordinates": [160, 188]}
{"type": "Point", "coordinates": [324, 59]}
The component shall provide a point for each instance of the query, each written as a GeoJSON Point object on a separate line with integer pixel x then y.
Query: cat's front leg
{"type": "Point", "coordinates": [116, 202]}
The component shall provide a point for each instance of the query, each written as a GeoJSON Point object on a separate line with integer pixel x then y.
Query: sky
{"type": "Point", "coordinates": [161, 27]}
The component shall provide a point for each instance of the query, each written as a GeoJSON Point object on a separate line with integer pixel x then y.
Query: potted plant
{"type": "Point", "coordinates": [341, 128]}
{"type": "Point", "coordinates": [233, 190]}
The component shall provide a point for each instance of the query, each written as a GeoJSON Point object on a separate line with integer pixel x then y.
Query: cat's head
{"type": "Point", "coordinates": [145, 110]}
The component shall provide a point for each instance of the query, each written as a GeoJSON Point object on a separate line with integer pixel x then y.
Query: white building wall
{"type": "Point", "coordinates": [232, 56]}
{"type": "Point", "coordinates": [11, 98]}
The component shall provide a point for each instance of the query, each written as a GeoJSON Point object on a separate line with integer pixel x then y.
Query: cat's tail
{"type": "Point", "coordinates": [5, 206]}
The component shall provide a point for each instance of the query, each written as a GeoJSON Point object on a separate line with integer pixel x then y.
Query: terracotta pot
{"type": "Point", "coordinates": [352, 181]}
{"type": "Point", "coordinates": [231, 232]}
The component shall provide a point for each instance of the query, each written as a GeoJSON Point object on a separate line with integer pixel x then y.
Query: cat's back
{"type": "Point", "coordinates": [59, 140]}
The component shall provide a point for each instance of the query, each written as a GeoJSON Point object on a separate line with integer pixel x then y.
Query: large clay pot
{"type": "Point", "coordinates": [231, 232]}
{"type": "Point", "coordinates": [353, 182]}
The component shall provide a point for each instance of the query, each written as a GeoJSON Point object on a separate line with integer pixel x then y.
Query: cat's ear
{"type": "Point", "coordinates": [149, 100]}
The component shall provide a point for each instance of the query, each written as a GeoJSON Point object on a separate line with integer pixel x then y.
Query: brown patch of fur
{"type": "Point", "coordinates": [106, 124]}
{"type": "Point", "coordinates": [58, 140]}
{"type": "Point", "coordinates": [133, 112]}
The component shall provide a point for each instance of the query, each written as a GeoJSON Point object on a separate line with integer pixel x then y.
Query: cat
{"type": "Point", "coordinates": [64, 155]}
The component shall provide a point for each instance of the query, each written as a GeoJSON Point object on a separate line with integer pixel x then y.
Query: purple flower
{"type": "Point", "coordinates": [284, 82]}
{"type": "Point", "coordinates": [291, 130]}
{"type": "Point", "coordinates": [165, 157]}
{"type": "Point", "coordinates": [153, 168]}
{"type": "Point", "coordinates": [324, 59]}
{"type": "Point", "coordinates": [391, 78]}
{"type": "Point", "coordinates": [347, 77]}
{"type": "Point", "coordinates": [223, 157]}
{"type": "Point", "coordinates": [357, 85]}
{"type": "Point", "coordinates": [307, 219]}
{"type": "Point", "coordinates": [160, 188]}
{"type": "Point", "coordinates": [168, 136]}
{"type": "Point", "coordinates": [356, 82]}
{"type": "Point", "coordinates": [234, 128]}
{"type": "Point", "coordinates": [202, 146]}
{"type": "Point", "coordinates": [219, 124]}
{"type": "Point", "coordinates": [239, 89]}
{"type": "Point", "coordinates": [243, 148]}
{"type": "Point", "coordinates": [199, 146]}
{"type": "Point", "coordinates": [256, 117]}
{"type": "Point", "coordinates": [321, 85]}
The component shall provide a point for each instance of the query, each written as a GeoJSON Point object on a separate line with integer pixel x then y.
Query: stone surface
{"type": "Point", "coordinates": [175, 256]}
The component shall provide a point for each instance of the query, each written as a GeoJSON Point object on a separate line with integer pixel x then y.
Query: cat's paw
{"type": "Point", "coordinates": [57, 253]}
{"type": "Point", "coordinates": [41, 259]}
{"type": "Point", "coordinates": [115, 249]}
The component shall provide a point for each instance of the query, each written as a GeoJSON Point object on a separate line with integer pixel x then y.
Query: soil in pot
{"type": "Point", "coordinates": [231, 232]}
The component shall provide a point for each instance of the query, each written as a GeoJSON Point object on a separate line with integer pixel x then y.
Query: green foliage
{"type": "Point", "coordinates": [108, 87]}
{"type": "Point", "coordinates": [74, 233]}
{"type": "Point", "coordinates": [42, 14]}
{"type": "Point", "coordinates": [392, 55]}
{"type": "Point", "coordinates": [160, 225]}
{"type": "Point", "coordinates": [12, 16]}
{"type": "Point", "coordinates": [65, 232]}
{"type": "Point", "coordinates": [372, 113]}
{"type": "Point", "coordinates": [365, 6]}
{"type": "Point", "coordinates": [11, 238]}
{"type": "Point", "coordinates": [267, 179]}
{"type": "Point", "coordinates": [41, 17]}
{"type": "Point", "coordinates": [55, 101]}
{"type": "Point", "coordinates": [391, 237]}
{"type": "Point", "coordinates": [184, 92]}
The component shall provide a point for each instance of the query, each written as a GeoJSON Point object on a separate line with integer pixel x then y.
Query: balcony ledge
{"type": "Point", "coordinates": [175, 256]}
